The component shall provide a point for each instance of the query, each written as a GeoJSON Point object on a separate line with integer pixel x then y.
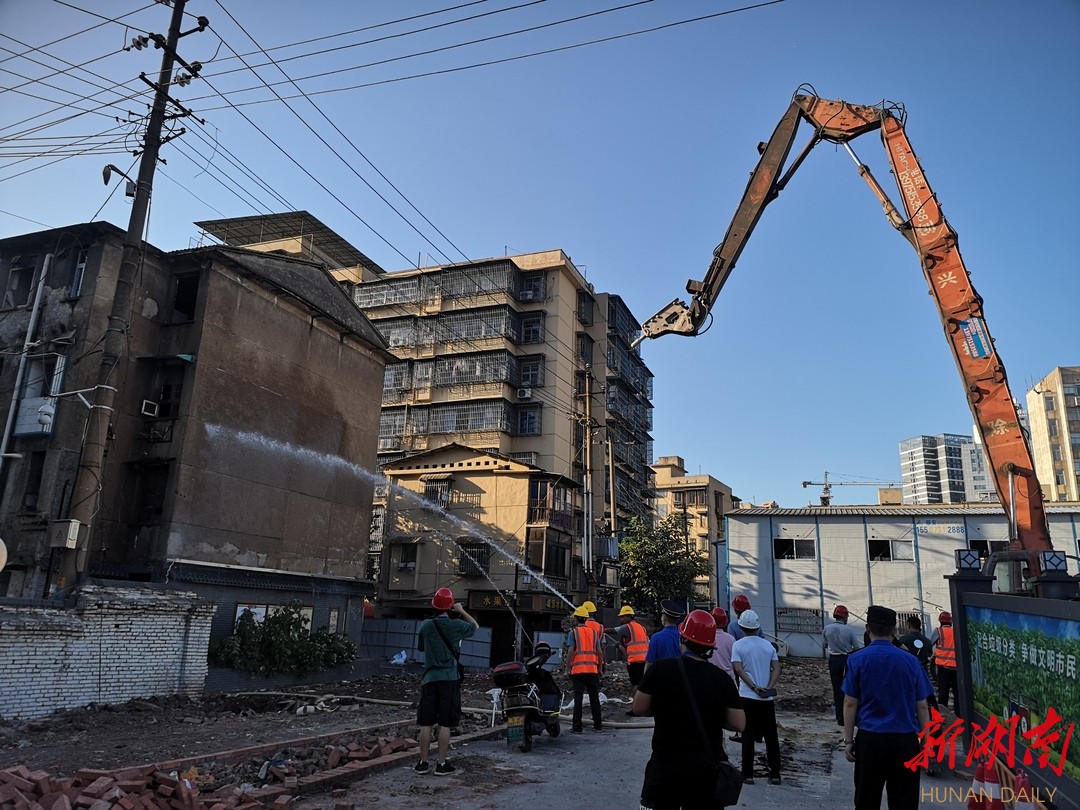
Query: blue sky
{"type": "Point", "coordinates": [630, 155]}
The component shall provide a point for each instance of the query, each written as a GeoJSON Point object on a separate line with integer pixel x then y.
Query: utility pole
{"type": "Point", "coordinates": [586, 549]}
{"type": "Point", "coordinates": [88, 482]}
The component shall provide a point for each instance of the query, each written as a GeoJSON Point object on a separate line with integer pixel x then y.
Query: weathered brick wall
{"type": "Point", "coordinates": [114, 645]}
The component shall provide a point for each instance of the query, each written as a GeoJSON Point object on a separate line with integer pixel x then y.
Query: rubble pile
{"type": "Point", "coordinates": [252, 783]}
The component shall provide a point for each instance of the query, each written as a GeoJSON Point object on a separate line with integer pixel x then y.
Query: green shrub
{"type": "Point", "coordinates": [280, 644]}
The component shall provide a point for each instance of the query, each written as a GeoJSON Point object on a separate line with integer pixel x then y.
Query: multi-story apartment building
{"type": "Point", "coordinates": [243, 420]}
{"type": "Point", "coordinates": [702, 501]}
{"type": "Point", "coordinates": [515, 357]}
{"type": "Point", "coordinates": [521, 357]}
{"type": "Point", "coordinates": [1054, 420]}
{"type": "Point", "coordinates": [946, 468]}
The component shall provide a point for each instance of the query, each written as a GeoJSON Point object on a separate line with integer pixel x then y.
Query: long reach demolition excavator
{"type": "Point", "coordinates": [924, 225]}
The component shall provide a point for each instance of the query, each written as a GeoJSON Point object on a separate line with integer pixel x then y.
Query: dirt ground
{"type": "Point", "coordinates": [160, 729]}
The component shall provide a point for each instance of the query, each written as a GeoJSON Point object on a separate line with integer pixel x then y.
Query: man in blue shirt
{"type": "Point", "coordinates": [664, 643]}
{"type": "Point", "coordinates": [885, 695]}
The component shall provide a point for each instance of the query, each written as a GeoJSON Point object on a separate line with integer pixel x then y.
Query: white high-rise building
{"type": "Point", "coordinates": [946, 468]}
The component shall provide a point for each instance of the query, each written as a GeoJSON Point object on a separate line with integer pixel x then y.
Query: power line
{"type": "Point", "coordinates": [355, 148]}
{"type": "Point", "coordinates": [85, 30]}
{"type": "Point", "coordinates": [489, 63]}
{"type": "Point", "coordinates": [443, 48]}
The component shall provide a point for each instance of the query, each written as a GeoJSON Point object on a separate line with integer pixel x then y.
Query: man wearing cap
{"type": "Point", "coordinates": [439, 639]}
{"type": "Point", "coordinates": [739, 604]}
{"type": "Point", "coordinates": [885, 694]}
{"type": "Point", "coordinates": [583, 662]}
{"type": "Point", "coordinates": [635, 640]}
{"type": "Point", "coordinates": [840, 642]}
{"type": "Point", "coordinates": [758, 669]}
{"type": "Point", "coordinates": [665, 641]}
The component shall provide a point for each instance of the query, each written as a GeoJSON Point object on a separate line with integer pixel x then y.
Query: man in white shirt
{"type": "Point", "coordinates": [758, 669]}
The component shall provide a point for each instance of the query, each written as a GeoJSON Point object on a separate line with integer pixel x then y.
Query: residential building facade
{"type": "Point", "coordinates": [500, 533]}
{"type": "Point", "coordinates": [948, 468]}
{"type": "Point", "coordinates": [521, 357]}
{"type": "Point", "coordinates": [1054, 421]}
{"type": "Point", "coordinates": [702, 501]}
{"type": "Point", "coordinates": [242, 438]}
{"type": "Point", "coordinates": [796, 564]}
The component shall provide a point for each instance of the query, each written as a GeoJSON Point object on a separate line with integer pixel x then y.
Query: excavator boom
{"type": "Point", "coordinates": [923, 224]}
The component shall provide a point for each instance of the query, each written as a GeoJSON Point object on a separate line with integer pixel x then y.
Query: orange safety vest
{"type": "Point", "coordinates": [945, 655]}
{"type": "Point", "coordinates": [638, 645]}
{"type": "Point", "coordinates": [586, 657]}
{"type": "Point", "coordinates": [596, 628]}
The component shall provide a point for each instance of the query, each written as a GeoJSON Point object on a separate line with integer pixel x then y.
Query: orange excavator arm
{"type": "Point", "coordinates": [924, 225]}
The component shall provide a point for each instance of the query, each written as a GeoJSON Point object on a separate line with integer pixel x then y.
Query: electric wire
{"type": "Point", "coordinates": [504, 60]}
{"type": "Point", "coordinates": [66, 37]}
{"type": "Point", "coordinates": [338, 155]}
{"type": "Point", "coordinates": [42, 79]}
{"type": "Point", "coordinates": [475, 346]}
{"type": "Point", "coordinates": [441, 49]}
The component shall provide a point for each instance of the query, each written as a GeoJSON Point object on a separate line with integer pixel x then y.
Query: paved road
{"type": "Point", "coordinates": [603, 771]}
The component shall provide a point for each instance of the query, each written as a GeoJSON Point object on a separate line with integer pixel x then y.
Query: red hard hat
{"type": "Point", "coordinates": [720, 615]}
{"type": "Point", "coordinates": [443, 599]}
{"type": "Point", "coordinates": [945, 617]}
{"type": "Point", "coordinates": [840, 612]}
{"type": "Point", "coordinates": [740, 603]}
{"type": "Point", "coordinates": [699, 627]}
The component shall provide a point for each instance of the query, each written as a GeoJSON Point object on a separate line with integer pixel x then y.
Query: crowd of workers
{"type": "Point", "coordinates": [700, 670]}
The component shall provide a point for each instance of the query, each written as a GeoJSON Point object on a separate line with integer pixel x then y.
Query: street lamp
{"type": "Point", "coordinates": [106, 175]}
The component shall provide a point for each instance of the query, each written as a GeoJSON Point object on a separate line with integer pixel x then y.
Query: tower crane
{"type": "Point", "coordinates": [827, 485]}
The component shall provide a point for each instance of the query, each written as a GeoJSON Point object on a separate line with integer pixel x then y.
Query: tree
{"type": "Point", "coordinates": [657, 565]}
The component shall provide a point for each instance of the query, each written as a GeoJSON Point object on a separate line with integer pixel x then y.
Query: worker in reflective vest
{"type": "Point", "coordinates": [635, 640]}
{"type": "Point", "coordinates": [583, 658]}
{"type": "Point", "coordinates": [597, 628]}
{"type": "Point", "coordinates": [945, 660]}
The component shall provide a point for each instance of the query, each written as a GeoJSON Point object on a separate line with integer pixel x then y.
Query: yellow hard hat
{"type": "Point", "coordinates": [626, 610]}
{"type": "Point", "coordinates": [581, 612]}
{"type": "Point", "coordinates": [589, 606]}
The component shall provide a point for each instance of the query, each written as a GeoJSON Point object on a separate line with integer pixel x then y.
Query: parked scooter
{"type": "Point", "coordinates": [531, 700]}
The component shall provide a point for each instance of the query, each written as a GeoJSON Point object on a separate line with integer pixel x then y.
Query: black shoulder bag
{"type": "Point", "coordinates": [450, 647]}
{"type": "Point", "coordinates": [728, 780]}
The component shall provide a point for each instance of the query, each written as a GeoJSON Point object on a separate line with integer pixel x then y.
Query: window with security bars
{"type": "Point", "coordinates": [902, 617]}
{"type": "Point", "coordinates": [798, 620]}
{"type": "Point", "coordinates": [437, 491]}
{"type": "Point", "coordinates": [531, 371]}
{"type": "Point", "coordinates": [690, 497]}
{"type": "Point", "coordinates": [474, 559]}
{"type": "Point", "coordinates": [794, 548]}
{"type": "Point", "coordinates": [482, 367]}
{"type": "Point", "coordinates": [381, 293]}
{"type": "Point", "coordinates": [528, 420]}
{"type": "Point", "coordinates": [532, 327]}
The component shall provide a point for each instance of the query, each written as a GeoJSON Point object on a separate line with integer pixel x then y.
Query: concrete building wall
{"type": "Point", "coordinates": [278, 459]}
{"type": "Point", "coordinates": [858, 556]}
{"type": "Point", "coordinates": [116, 645]}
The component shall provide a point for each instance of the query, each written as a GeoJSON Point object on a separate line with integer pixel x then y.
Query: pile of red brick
{"type": "Point", "coordinates": [132, 789]}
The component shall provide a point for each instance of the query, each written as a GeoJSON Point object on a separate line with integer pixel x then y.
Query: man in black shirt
{"type": "Point", "coordinates": [680, 773]}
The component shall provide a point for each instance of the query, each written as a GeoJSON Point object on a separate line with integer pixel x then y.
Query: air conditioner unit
{"type": "Point", "coordinates": [398, 342]}
{"type": "Point", "coordinates": [527, 295]}
{"type": "Point", "coordinates": [389, 444]}
{"type": "Point", "coordinates": [524, 393]}
{"type": "Point", "coordinates": [150, 408]}
{"type": "Point", "coordinates": [64, 533]}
